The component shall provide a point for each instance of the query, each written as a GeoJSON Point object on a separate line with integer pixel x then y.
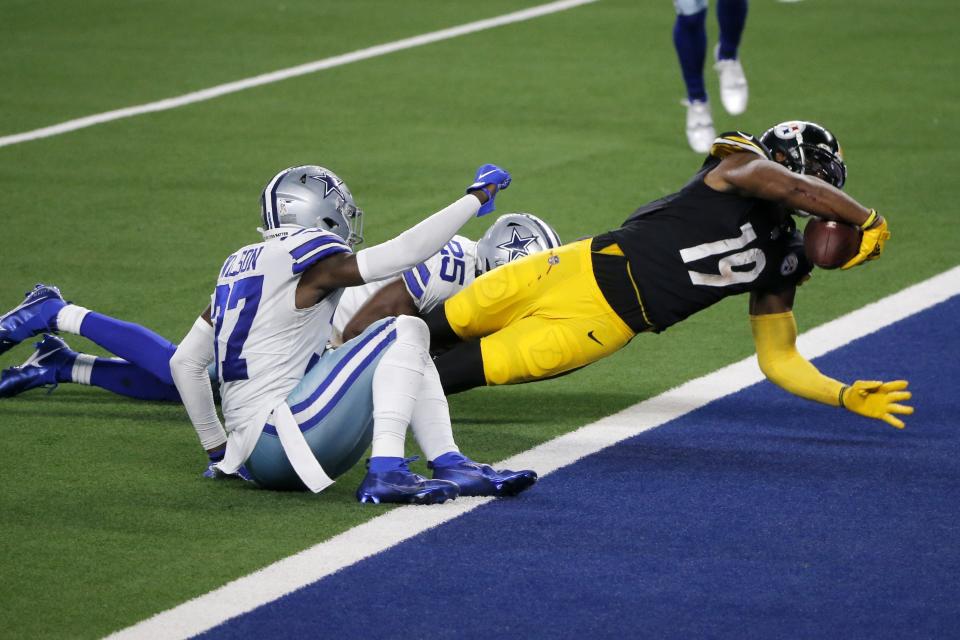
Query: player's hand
{"type": "Point", "coordinates": [489, 175]}
{"type": "Point", "coordinates": [871, 243]}
{"type": "Point", "coordinates": [880, 400]}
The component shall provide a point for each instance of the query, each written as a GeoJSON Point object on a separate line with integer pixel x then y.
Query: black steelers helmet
{"type": "Point", "coordinates": [808, 149]}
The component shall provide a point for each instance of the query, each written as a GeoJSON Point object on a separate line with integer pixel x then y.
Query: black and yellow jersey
{"type": "Point", "coordinates": [694, 247]}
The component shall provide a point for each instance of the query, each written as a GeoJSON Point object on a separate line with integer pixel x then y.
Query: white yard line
{"type": "Point", "coordinates": [292, 72]}
{"type": "Point", "coordinates": [392, 528]}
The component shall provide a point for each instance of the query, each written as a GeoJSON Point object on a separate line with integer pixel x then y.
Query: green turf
{"type": "Point", "coordinates": [105, 520]}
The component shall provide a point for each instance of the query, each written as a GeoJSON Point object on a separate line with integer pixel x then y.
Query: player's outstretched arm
{"type": "Point", "coordinates": [756, 177]}
{"type": "Point", "coordinates": [409, 248]}
{"type": "Point", "coordinates": [391, 300]}
{"type": "Point", "coordinates": [775, 336]}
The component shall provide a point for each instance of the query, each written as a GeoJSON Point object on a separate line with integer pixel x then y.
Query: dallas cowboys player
{"type": "Point", "coordinates": [419, 290]}
{"type": "Point", "coordinates": [143, 369]}
{"type": "Point", "coordinates": [272, 309]}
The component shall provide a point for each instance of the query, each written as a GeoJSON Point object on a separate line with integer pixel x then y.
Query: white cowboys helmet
{"type": "Point", "coordinates": [513, 236]}
{"type": "Point", "coordinates": [313, 197]}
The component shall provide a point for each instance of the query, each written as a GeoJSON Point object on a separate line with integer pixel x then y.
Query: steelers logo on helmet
{"type": "Point", "coordinates": [789, 130]}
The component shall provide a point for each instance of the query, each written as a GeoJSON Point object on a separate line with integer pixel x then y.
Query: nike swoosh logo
{"type": "Point", "coordinates": [594, 338]}
{"type": "Point", "coordinates": [484, 175]}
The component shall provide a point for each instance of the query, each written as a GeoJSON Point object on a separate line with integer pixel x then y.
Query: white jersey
{"type": "Point", "coordinates": [263, 342]}
{"type": "Point", "coordinates": [429, 283]}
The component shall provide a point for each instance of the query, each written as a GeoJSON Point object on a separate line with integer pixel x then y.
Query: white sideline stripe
{"type": "Point", "coordinates": [292, 72]}
{"type": "Point", "coordinates": [392, 528]}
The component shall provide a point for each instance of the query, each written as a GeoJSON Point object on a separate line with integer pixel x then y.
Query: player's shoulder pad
{"type": "Point", "coordinates": [737, 142]}
{"type": "Point", "coordinates": [309, 246]}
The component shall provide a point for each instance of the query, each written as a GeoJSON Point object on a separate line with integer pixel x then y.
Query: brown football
{"type": "Point", "coordinates": [829, 244]}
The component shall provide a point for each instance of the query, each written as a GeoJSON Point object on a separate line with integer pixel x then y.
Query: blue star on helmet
{"type": "Point", "coordinates": [516, 245]}
{"type": "Point", "coordinates": [330, 184]}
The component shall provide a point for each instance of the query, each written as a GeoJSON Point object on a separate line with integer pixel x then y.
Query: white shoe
{"type": "Point", "coordinates": [700, 133]}
{"type": "Point", "coordinates": [733, 85]}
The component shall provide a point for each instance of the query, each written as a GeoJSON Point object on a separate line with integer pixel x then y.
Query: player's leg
{"type": "Point", "coordinates": [502, 296]}
{"type": "Point", "coordinates": [53, 362]}
{"type": "Point", "coordinates": [569, 326]}
{"type": "Point", "coordinates": [432, 429]}
{"type": "Point", "coordinates": [361, 393]}
{"type": "Point", "coordinates": [396, 387]}
{"type": "Point", "coordinates": [732, 16]}
{"type": "Point", "coordinates": [538, 348]}
{"type": "Point", "coordinates": [333, 405]}
{"type": "Point", "coordinates": [44, 309]}
{"type": "Point", "coordinates": [132, 342]}
{"type": "Point", "coordinates": [533, 348]}
{"type": "Point", "coordinates": [690, 41]}
{"type": "Point", "coordinates": [491, 302]}
{"type": "Point", "coordinates": [461, 368]}
{"type": "Point", "coordinates": [121, 377]}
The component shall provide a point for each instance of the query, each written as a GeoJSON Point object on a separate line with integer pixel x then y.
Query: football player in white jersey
{"type": "Point", "coordinates": [271, 310]}
{"type": "Point", "coordinates": [418, 290]}
{"type": "Point", "coordinates": [142, 370]}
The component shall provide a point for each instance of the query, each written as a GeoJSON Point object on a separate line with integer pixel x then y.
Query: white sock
{"type": "Point", "coordinates": [396, 384]}
{"type": "Point", "coordinates": [431, 417]}
{"type": "Point", "coordinates": [70, 317]}
{"type": "Point", "coordinates": [82, 368]}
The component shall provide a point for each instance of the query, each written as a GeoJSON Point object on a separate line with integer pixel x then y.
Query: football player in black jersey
{"type": "Point", "coordinates": [729, 230]}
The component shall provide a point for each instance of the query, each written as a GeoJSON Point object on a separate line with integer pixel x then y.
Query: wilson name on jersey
{"type": "Point", "coordinates": [697, 246]}
{"type": "Point", "coordinates": [263, 342]}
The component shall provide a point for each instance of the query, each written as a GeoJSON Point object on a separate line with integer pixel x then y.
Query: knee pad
{"type": "Point", "coordinates": [689, 7]}
{"type": "Point", "coordinates": [551, 353]}
{"type": "Point", "coordinates": [495, 287]}
{"type": "Point", "coordinates": [541, 354]}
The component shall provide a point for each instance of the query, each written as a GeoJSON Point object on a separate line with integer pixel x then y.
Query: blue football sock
{"type": "Point", "coordinates": [126, 379]}
{"type": "Point", "coordinates": [136, 344]}
{"type": "Point", "coordinates": [690, 39]}
{"type": "Point", "coordinates": [732, 16]}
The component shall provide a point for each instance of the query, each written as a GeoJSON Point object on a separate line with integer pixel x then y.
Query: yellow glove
{"type": "Point", "coordinates": [875, 235]}
{"type": "Point", "coordinates": [875, 399]}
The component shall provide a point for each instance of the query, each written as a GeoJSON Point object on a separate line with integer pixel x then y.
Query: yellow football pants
{"type": "Point", "coordinates": [538, 317]}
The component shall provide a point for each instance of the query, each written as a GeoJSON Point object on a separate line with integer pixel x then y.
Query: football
{"type": "Point", "coordinates": [830, 244]}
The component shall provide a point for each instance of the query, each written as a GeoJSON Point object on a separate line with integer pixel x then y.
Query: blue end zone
{"type": "Point", "coordinates": [758, 516]}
